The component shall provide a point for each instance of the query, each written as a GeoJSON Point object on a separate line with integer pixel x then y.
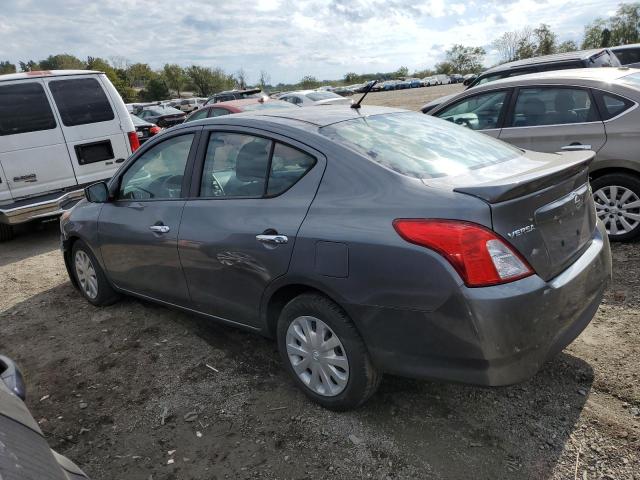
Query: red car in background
{"type": "Point", "coordinates": [237, 106]}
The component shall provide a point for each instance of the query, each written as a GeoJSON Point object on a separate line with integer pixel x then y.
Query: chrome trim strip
{"type": "Point", "coordinates": [35, 210]}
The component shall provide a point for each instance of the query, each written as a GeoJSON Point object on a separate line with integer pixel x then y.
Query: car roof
{"type": "Point", "coordinates": [555, 58]}
{"type": "Point", "coordinates": [605, 74]}
{"type": "Point", "coordinates": [45, 73]}
{"type": "Point", "coordinates": [319, 116]}
{"type": "Point", "coordinates": [625, 47]}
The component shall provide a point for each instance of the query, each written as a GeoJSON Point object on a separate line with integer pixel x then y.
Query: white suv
{"type": "Point", "coordinates": [59, 131]}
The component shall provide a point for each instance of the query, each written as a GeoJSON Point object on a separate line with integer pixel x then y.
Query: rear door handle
{"type": "Point", "coordinates": [576, 147]}
{"type": "Point", "coordinates": [272, 239]}
{"type": "Point", "coordinates": [159, 228]}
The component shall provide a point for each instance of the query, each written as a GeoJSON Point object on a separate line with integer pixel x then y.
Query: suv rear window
{"type": "Point", "coordinates": [604, 59]}
{"type": "Point", "coordinates": [81, 101]}
{"type": "Point", "coordinates": [418, 145]}
{"type": "Point", "coordinates": [24, 108]}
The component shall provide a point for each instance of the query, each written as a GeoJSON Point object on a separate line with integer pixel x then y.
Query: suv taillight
{"type": "Point", "coordinates": [134, 143]}
{"type": "Point", "coordinates": [478, 254]}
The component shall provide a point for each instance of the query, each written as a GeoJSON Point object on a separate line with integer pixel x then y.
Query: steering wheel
{"type": "Point", "coordinates": [463, 121]}
{"type": "Point", "coordinates": [216, 187]}
{"type": "Point", "coordinates": [168, 184]}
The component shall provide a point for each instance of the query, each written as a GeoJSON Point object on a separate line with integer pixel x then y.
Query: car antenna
{"type": "Point", "coordinates": [369, 87]}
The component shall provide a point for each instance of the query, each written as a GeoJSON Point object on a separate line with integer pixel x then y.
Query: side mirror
{"type": "Point", "coordinates": [12, 378]}
{"type": "Point", "coordinates": [97, 193]}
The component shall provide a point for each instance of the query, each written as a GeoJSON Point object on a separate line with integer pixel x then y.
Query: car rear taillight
{"type": "Point", "coordinates": [478, 254]}
{"type": "Point", "coordinates": [134, 143]}
{"type": "Point", "coordinates": [155, 130]}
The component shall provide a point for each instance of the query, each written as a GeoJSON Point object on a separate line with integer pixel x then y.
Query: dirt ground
{"type": "Point", "coordinates": [138, 391]}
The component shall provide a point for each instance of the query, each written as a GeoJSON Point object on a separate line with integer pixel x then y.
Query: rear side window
{"type": "Point", "coordinates": [219, 112]}
{"type": "Point", "coordinates": [81, 101]}
{"type": "Point", "coordinates": [418, 145]}
{"type": "Point", "coordinates": [628, 55]}
{"type": "Point", "coordinates": [612, 105]}
{"type": "Point", "coordinates": [24, 108]}
{"type": "Point", "coordinates": [553, 106]}
{"type": "Point", "coordinates": [288, 165]}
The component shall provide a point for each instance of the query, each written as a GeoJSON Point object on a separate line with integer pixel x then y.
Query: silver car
{"type": "Point", "coordinates": [581, 109]}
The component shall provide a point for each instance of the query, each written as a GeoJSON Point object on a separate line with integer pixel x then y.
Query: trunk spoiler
{"type": "Point", "coordinates": [567, 165]}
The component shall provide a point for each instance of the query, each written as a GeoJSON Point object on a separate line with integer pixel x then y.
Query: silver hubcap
{"type": "Point", "coordinates": [618, 207]}
{"type": "Point", "coordinates": [317, 356]}
{"type": "Point", "coordinates": [86, 274]}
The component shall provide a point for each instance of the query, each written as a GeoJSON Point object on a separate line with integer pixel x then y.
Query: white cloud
{"type": "Point", "coordinates": [287, 38]}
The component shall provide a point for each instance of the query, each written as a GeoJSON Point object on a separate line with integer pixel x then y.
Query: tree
{"type": "Point", "coordinates": [174, 77]}
{"type": "Point", "coordinates": [29, 66]}
{"type": "Point", "coordinates": [625, 24]}
{"type": "Point", "coordinates": [138, 74]}
{"type": "Point", "coordinates": [351, 77]}
{"type": "Point", "coordinates": [465, 59]}
{"type": "Point", "coordinates": [507, 46]}
{"type": "Point", "coordinates": [241, 79]}
{"type": "Point", "coordinates": [7, 67]}
{"type": "Point", "coordinates": [264, 80]}
{"type": "Point", "coordinates": [62, 61]}
{"type": "Point", "coordinates": [593, 33]}
{"type": "Point", "coordinates": [526, 44]}
{"type": "Point", "coordinates": [126, 92]}
{"type": "Point", "coordinates": [545, 39]}
{"type": "Point", "coordinates": [444, 68]}
{"type": "Point", "coordinates": [309, 81]}
{"type": "Point", "coordinates": [567, 46]}
{"type": "Point", "coordinates": [155, 90]}
{"type": "Point", "coordinates": [209, 80]}
{"type": "Point", "coordinates": [402, 72]}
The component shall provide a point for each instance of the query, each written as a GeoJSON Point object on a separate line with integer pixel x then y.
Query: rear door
{"type": "Point", "coordinates": [33, 155]}
{"type": "Point", "coordinates": [552, 119]}
{"type": "Point", "coordinates": [483, 111]}
{"type": "Point", "coordinates": [95, 139]}
{"type": "Point", "coordinates": [237, 235]}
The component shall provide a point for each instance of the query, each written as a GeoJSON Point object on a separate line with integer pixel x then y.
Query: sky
{"type": "Point", "coordinates": [286, 38]}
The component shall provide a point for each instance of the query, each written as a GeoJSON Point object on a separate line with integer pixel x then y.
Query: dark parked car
{"type": "Point", "coordinates": [24, 452]}
{"type": "Point", "coordinates": [162, 115]}
{"type": "Point", "coordinates": [365, 240]}
{"type": "Point", "coordinates": [629, 55]}
{"type": "Point", "coordinates": [596, 58]}
{"type": "Point", "coordinates": [234, 95]}
{"type": "Point", "coordinates": [145, 130]}
{"type": "Point", "coordinates": [238, 106]}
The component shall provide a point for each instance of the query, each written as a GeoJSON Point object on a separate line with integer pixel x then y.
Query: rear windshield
{"type": "Point", "coordinates": [81, 101]}
{"type": "Point", "coordinates": [164, 110]}
{"type": "Point", "coordinates": [316, 96]}
{"type": "Point", "coordinates": [633, 80]}
{"type": "Point", "coordinates": [418, 145]}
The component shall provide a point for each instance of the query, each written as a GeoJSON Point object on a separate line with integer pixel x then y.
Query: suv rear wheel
{"type": "Point", "coordinates": [617, 200]}
{"type": "Point", "coordinates": [6, 232]}
{"type": "Point", "coordinates": [324, 353]}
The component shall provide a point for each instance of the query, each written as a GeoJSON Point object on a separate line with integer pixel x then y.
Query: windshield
{"type": "Point", "coordinates": [274, 104]}
{"type": "Point", "coordinates": [164, 110]}
{"type": "Point", "coordinates": [316, 96]}
{"type": "Point", "coordinates": [633, 80]}
{"type": "Point", "coordinates": [418, 145]}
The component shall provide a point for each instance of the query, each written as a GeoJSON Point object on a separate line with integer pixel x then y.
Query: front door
{"type": "Point", "coordinates": [553, 119]}
{"type": "Point", "coordinates": [138, 230]}
{"type": "Point", "coordinates": [33, 155]}
{"type": "Point", "coordinates": [239, 233]}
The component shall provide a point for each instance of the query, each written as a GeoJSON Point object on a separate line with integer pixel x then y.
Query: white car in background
{"type": "Point", "coordinates": [60, 131]}
{"type": "Point", "coordinates": [306, 98]}
{"type": "Point", "coordinates": [188, 105]}
{"type": "Point", "coordinates": [429, 81]}
{"type": "Point", "coordinates": [442, 79]}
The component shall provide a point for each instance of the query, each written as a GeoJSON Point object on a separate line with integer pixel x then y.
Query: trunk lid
{"type": "Point", "coordinates": [540, 203]}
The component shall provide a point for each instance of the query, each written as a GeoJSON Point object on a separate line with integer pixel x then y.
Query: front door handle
{"type": "Point", "coordinates": [272, 239]}
{"type": "Point", "coordinates": [159, 228]}
{"type": "Point", "coordinates": [576, 147]}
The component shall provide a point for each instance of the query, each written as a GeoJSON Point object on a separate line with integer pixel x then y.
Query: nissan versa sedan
{"type": "Point", "coordinates": [364, 240]}
{"type": "Point", "coordinates": [582, 109]}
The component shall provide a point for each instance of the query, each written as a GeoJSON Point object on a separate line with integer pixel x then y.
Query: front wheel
{"type": "Point", "coordinates": [617, 201]}
{"type": "Point", "coordinates": [89, 276]}
{"type": "Point", "coordinates": [325, 354]}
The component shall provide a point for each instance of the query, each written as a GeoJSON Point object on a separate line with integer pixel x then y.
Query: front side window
{"type": "Point", "coordinates": [235, 165]}
{"type": "Point", "coordinates": [553, 106]}
{"type": "Point", "coordinates": [24, 108]}
{"type": "Point", "coordinates": [288, 165]}
{"type": "Point", "coordinates": [418, 145]}
{"type": "Point", "coordinates": [479, 112]}
{"type": "Point", "coordinates": [158, 173]}
{"type": "Point", "coordinates": [81, 101]}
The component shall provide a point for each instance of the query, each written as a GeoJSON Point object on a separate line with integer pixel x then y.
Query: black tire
{"type": "Point", "coordinates": [629, 182]}
{"type": "Point", "coordinates": [6, 232]}
{"type": "Point", "coordinates": [364, 378]}
{"type": "Point", "coordinates": [106, 295]}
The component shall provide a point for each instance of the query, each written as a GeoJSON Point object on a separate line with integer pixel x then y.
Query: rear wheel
{"type": "Point", "coordinates": [324, 353]}
{"type": "Point", "coordinates": [6, 232]}
{"type": "Point", "coordinates": [617, 200]}
{"type": "Point", "coordinates": [89, 276]}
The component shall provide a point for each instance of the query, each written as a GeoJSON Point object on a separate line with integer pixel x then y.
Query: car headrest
{"type": "Point", "coordinates": [533, 106]}
{"type": "Point", "coordinates": [251, 164]}
{"type": "Point", "coordinates": [564, 101]}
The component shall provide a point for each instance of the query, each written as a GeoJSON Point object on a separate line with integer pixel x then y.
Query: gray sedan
{"type": "Point", "coordinates": [365, 241]}
{"type": "Point", "coordinates": [582, 109]}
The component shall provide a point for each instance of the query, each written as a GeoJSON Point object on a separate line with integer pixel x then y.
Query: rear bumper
{"type": "Point", "coordinates": [491, 336]}
{"type": "Point", "coordinates": [39, 207]}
